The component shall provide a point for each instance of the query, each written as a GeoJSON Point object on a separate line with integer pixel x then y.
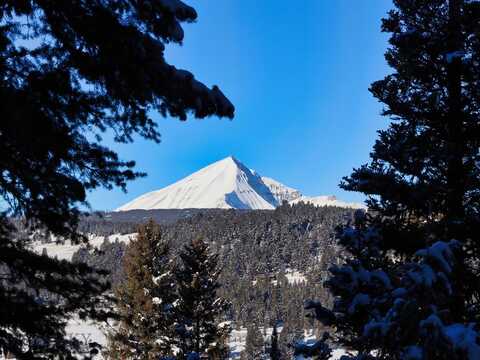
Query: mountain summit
{"type": "Point", "coordinates": [225, 184]}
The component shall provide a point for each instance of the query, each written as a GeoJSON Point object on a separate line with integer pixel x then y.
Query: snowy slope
{"type": "Point", "coordinates": [281, 192]}
{"type": "Point", "coordinates": [226, 184]}
{"type": "Point", "coordinates": [65, 251]}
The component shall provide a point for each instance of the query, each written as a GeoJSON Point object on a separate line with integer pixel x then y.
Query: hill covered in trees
{"type": "Point", "coordinates": [271, 260]}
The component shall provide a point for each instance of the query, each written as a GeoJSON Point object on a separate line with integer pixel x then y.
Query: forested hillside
{"type": "Point", "coordinates": [271, 261]}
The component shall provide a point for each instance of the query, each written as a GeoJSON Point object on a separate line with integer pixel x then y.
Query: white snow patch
{"type": "Point", "coordinates": [295, 276]}
{"type": "Point", "coordinates": [337, 354]}
{"type": "Point", "coordinates": [236, 342]}
{"type": "Point", "coordinates": [86, 331]}
{"type": "Point", "coordinates": [65, 251]}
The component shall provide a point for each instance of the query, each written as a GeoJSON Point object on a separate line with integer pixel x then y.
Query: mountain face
{"type": "Point", "coordinates": [281, 192]}
{"type": "Point", "coordinates": [225, 184]}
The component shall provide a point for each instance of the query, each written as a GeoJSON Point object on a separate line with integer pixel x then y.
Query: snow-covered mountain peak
{"type": "Point", "coordinates": [224, 184]}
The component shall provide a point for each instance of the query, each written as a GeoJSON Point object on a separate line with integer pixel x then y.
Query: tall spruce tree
{"type": "Point", "coordinates": [145, 300]}
{"type": "Point", "coordinates": [199, 311]}
{"type": "Point", "coordinates": [274, 349]}
{"type": "Point", "coordinates": [409, 288]}
{"type": "Point", "coordinates": [286, 340]}
{"type": "Point", "coordinates": [70, 70]}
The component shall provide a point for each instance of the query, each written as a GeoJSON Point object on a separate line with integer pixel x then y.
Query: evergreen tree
{"type": "Point", "coordinates": [69, 71]}
{"type": "Point", "coordinates": [199, 310]}
{"type": "Point", "coordinates": [286, 340]}
{"type": "Point", "coordinates": [145, 299]}
{"type": "Point", "coordinates": [409, 288]}
{"type": "Point", "coordinates": [274, 350]}
{"type": "Point", "coordinates": [39, 295]}
{"type": "Point", "coordinates": [254, 344]}
{"type": "Point", "coordinates": [91, 66]}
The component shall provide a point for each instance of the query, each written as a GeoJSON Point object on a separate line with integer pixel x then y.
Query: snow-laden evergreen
{"type": "Point", "coordinates": [201, 326]}
{"type": "Point", "coordinates": [145, 300]}
{"type": "Point", "coordinates": [408, 287]}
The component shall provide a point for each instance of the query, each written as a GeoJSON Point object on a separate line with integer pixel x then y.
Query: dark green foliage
{"type": "Point", "coordinates": [257, 247]}
{"type": "Point", "coordinates": [199, 312]}
{"type": "Point", "coordinates": [423, 178]}
{"type": "Point", "coordinates": [107, 258]}
{"type": "Point", "coordinates": [410, 287]}
{"type": "Point", "coordinates": [37, 300]}
{"type": "Point", "coordinates": [124, 222]}
{"type": "Point", "coordinates": [253, 270]}
{"type": "Point", "coordinates": [274, 348]}
{"type": "Point", "coordinates": [144, 300]}
{"type": "Point", "coordinates": [70, 71]}
{"type": "Point", "coordinates": [287, 339]}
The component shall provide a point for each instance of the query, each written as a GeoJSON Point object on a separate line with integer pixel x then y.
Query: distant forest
{"type": "Point", "coordinates": [271, 260]}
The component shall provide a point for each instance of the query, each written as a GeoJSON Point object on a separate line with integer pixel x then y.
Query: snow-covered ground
{"type": "Point", "coordinates": [337, 354]}
{"type": "Point", "coordinates": [294, 276]}
{"type": "Point", "coordinates": [87, 332]}
{"type": "Point", "coordinates": [238, 339]}
{"type": "Point", "coordinates": [65, 251]}
{"type": "Point", "coordinates": [237, 342]}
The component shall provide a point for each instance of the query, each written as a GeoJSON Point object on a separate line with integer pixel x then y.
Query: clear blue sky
{"type": "Point", "coordinates": [298, 74]}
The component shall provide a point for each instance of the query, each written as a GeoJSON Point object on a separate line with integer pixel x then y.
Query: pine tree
{"type": "Point", "coordinates": [38, 295]}
{"type": "Point", "coordinates": [274, 349]}
{"type": "Point", "coordinates": [199, 311]}
{"type": "Point", "coordinates": [286, 339]}
{"type": "Point", "coordinates": [145, 299]}
{"type": "Point", "coordinates": [69, 71]}
{"type": "Point", "coordinates": [254, 344]}
{"type": "Point", "coordinates": [409, 287]}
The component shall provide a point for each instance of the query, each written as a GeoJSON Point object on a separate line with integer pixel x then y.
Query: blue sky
{"type": "Point", "coordinates": [298, 74]}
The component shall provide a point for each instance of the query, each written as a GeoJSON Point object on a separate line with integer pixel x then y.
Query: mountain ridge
{"type": "Point", "coordinates": [225, 184]}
